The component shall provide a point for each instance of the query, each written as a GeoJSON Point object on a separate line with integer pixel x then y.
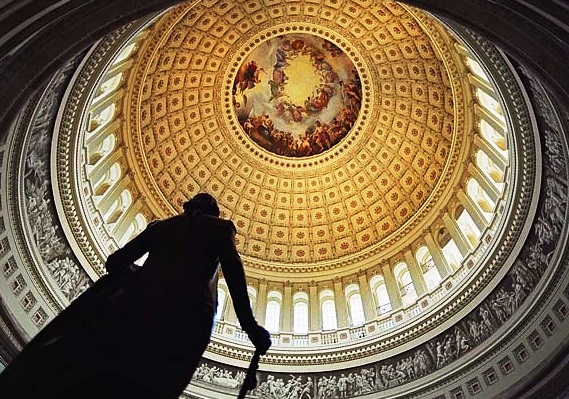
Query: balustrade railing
{"type": "Point", "coordinates": [329, 338]}
{"type": "Point", "coordinates": [300, 340]}
{"type": "Point", "coordinates": [358, 333]}
{"type": "Point", "coordinates": [384, 322]}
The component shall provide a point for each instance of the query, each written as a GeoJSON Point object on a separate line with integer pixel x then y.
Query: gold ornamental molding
{"type": "Point", "coordinates": [215, 161]}
{"type": "Point", "coordinates": [345, 203]}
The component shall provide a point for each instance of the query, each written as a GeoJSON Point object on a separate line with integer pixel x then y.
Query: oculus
{"type": "Point", "coordinates": [297, 95]}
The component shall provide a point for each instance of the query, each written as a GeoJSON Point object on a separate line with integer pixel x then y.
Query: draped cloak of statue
{"type": "Point", "coordinates": [141, 333]}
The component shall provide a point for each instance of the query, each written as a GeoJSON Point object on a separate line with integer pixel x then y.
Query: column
{"type": "Point", "coordinates": [261, 307]}
{"type": "Point", "coordinates": [459, 238]}
{"type": "Point", "coordinates": [438, 257]}
{"type": "Point", "coordinates": [367, 297]}
{"type": "Point", "coordinates": [125, 220]}
{"type": "Point", "coordinates": [112, 194]}
{"type": "Point", "coordinates": [314, 306]}
{"type": "Point", "coordinates": [473, 210]}
{"type": "Point", "coordinates": [499, 159]}
{"type": "Point", "coordinates": [286, 325]}
{"type": "Point", "coordinates": [493, 120]}
{"type": "Point", "coordinates": [341, 305]}
{"type": "Point", "coordinates": [105, 100]}
{"type": "Point", "coordinates": [95, 139]}
{"type": "Point", "coordinates": [103, 165]}
{"type": "Point", "coordinates": [416, 273]}
{"type": "Point", "coordinates": [483, 85]}
{"type": "Point", "coordinates": [485, 183]}
{"type": "Point", "coordinates": [392, 287]}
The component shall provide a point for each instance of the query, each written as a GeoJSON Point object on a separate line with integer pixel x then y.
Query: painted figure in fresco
{"type": "Point", "coordinates": [297, 127]}
{"type": "Point", "coordinates": [248, 76]}
{"type": "Point", "coordinates": [141, 333]}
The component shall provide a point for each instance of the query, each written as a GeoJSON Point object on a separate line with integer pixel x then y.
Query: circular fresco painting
{"type": "Point", "coordinates": [297, 95]}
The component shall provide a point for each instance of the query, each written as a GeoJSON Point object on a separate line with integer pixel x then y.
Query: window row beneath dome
{"type": "Point", "coordinates": [399, 286]}
{"type": "Point", "coordinates": [418, 274]}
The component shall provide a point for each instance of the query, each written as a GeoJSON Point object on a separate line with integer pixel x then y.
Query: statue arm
{"type": "Point", "coordinates": [133, 250]}
{"type": "Point", "coordinates": [234, 275]}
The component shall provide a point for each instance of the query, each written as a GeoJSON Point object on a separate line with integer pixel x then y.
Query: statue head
{"type": "Point", "coordinates": [202, 203]}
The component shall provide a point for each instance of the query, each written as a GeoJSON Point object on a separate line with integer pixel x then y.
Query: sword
{"type": "Point", "coordinates": [250, 381]}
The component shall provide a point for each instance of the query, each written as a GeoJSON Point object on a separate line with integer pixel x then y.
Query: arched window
{"type": "Point", "coordinates": [465, 224]}
{"type": "Point", "coordinates": [273, 313]}
{"type": "Point", "coordinates": [406, 286]}
{"type": "Point", "coordinates": [252, 293]}
{"type": "Point", "coordinates": [96, 151]}
{"type": "Point", "coordinates": [379, 289]}
{"type": "Point", "coordinates": [126, 51]}
{"type": "Point", "coordinates": [480, 198]}
{"type": "Point", "coordinates": [102, 117]}
{"type": "Point", "coordinates": [427, 264]}
{"type": "Point", "coordinates": [490, 169]}
{"type": "Point", "coordinates": [328, 307]}
{"type": "Point", "coordinates": [490, 103]}
{"type": "Point", "coordinates": [221, 300]}
{"type": "Point", "coordinates": [119, 206]}
{"type": "Point", "coordinates": [110, 177]}
{"type": "Point", "coordinates": [477, 69]}
{"type": "Point", "coordinates": [452, 254]}
{"type": "Point", "coordinates": [300, 313]}
{"type": "Point", "coordinates": [139, 223]}
{"type": "Point", "coordinates": [108, 86]}
{"type": "Point", "coordinates": [355, 305]}
{"type": "Point", "coordinates": [493, 137]}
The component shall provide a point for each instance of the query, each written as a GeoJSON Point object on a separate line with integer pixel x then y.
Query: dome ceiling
{"type": "Point", "coordinates": [342, 137]}
{"type": "Point", "coordinates": [329, 133]}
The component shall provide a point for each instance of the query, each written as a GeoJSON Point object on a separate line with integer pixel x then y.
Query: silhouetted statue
{"type": "Point", "coordinates": [141, 333]}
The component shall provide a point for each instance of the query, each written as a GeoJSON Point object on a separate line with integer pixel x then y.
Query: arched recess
{"type": "Point", "coordinates": [273, 312]}
{"type": "Point", "coordinates": [300, 313]}
{"type": "Point", "coordinates": [428, 268]}
{"type": "Point", "coordinates": [355, 305]}
{"type": "Point", "coordinates": [222, 295]}
{"type": "Point", "coordinates": [380, 294]}
{"type": "Point", "coordinates": [328, 310]}
{"type": "Point", "coordinates": [405, 283]}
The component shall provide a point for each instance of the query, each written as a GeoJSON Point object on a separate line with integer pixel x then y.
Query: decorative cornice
{"type": "Point", "coordinates": [496, 256]}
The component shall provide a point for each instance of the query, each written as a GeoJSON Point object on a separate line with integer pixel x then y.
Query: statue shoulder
{"type": "Point", "coordinates": [153, 223]}
{"type": "Point", "coordinates": [223, 224]}
{"type": "Point", "coordinates": [217, 224]}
